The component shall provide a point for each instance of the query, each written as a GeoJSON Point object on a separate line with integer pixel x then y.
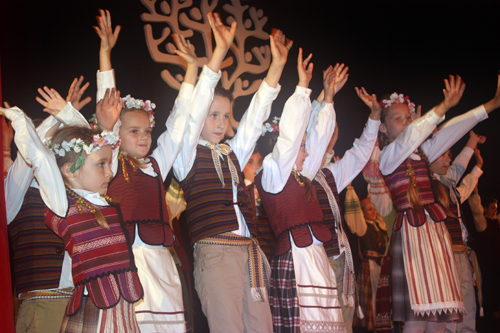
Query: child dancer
{"type": "Point", "coordinates": [366, 223]}
{"type": "Point", "coordinates": [452, 196]}
{"type": "Point", "coordinates": [91, 231]}
{"type": "Point", "coordinates": [303, 285]}
{"type": "Point", "coordinates": [228, 263]}
{"type": "Point", "coordinates": [139, 181]}
{"type": "Point", "coordinates": [424, 298]}
{"type": "Point", "coordinates": [41, 266]}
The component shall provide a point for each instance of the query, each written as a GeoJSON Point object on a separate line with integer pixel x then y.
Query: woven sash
{"type": "Point", "coordinates": [223, 149]}
{"type": "Point", "coordinates": [349, 277]}
{"type": "Point", "coordinates": [258, 266]}
{"type": "Point", "coordinates": [47, 294]}
{"type": "Point", "coordinates": [430, 269]}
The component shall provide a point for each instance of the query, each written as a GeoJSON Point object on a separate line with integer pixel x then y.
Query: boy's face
{"type": "Point", "coordinates": [491, 210]}
{"type": "Point", "coordinates": [217, 120]}
{"type": "Point", "coordinates": [254, 164]}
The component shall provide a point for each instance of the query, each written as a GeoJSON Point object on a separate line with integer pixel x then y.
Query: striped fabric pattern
{"type": "Point", "coordinates": [102, 259]}
{"type": "Point", "coordinates": [210, 207]}
{"type": "Point", "coordinates": [331, 247]}
{"type": "Point", "coordinates": [38, 253]}
{"type": "Point", "coordinates": [149, 212]}
{"type": "Point", "coordinates": [398, 183]}
{"type": "Point", "coordinates": [430, 269]}
{"type": "Point", "coordinates": [453, 223]}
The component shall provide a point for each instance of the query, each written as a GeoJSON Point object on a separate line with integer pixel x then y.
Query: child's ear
{"type": "Point", "coordinates": [65, 170]}
{"type": "Point", "coordinates": [382, 128]}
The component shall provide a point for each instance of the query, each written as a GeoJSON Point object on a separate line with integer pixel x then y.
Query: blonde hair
{"type": "Point", "coordinates": [135, 161]}
{"type": "Point", "coordinates": [87, 135]}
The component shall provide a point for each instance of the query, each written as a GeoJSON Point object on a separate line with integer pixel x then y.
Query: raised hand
{"type": "Point", "coordinates": [370, 101]}
{"type": "Point", "coordinates": [336, 79]}
{"type": "Point", "coordinates": [223, 36]}
{"type": "Point", "coordinates": [185, 49]}
{"type": "Point", "coordinates": [479, 158]}
{"type": "Point", "coordinates": [108, 109]}
{"type": "Point", "coordinates": [474, 139]}
{"type": "Point", "coordinates": [453, 92]}
{"type": "Point", "coordinates": [305, 71]}
{"type": "Point", "coordinates": [105, 31]}
{"type": "Point", "coordinates": [280, 46]}
{"type": "Point", "coordinates": [52, 102]}
{"type": "Point", "coordinates": [75, 94]}
{"type": "Point", "coordinates": [495, 102]}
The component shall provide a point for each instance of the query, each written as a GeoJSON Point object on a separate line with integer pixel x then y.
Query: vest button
{"type": "Point", "coordinates": [59, 250]}
{"type": "Point", "coordinates": [241, 204]}
{"type": "Point", "coordinates": [228, 203]}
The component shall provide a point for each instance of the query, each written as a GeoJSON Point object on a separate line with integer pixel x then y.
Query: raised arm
{"type": "Point", "coordinates": [322, 123]}
{"type": "Point", "coordinates": [469, 183]}
{"type": "Point", "coordinates": [477, 211]}
{"type": "Point", "coordinates": [278, 165]}
{"type": "Point", "coordinates": [41, 160]}
{"type": "Point", "coordinates": [250, 127]}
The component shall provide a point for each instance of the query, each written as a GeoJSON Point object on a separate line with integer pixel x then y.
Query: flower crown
{"type": "Point", "coordinates": [397, 98]}
{"type": "Point", "coordinates": [132, 103]}
{"type": "Point", "coordinates": [78, 145]}
{"type": "Point", "coordinates": [271, 127]}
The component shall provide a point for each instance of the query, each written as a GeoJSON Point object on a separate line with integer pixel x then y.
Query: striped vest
{"type": "Point", "coordinates": [331, 247]}
{"type": "Point", "coordinates": [210, 209]}
{"type": "Point", "coordinates": [398, 182]}
{"type": "Point", "coordinates": [453, 223]}
{"type": "Point", "coordinates": [38, 253]}
{"type": "Point", "coordinates": [265, 234]}
{"type": "Point", "coordinates": [142, 203]}
{"type": "Point", "coordinates": [102, 260]}
{"type": "Point", "coordinates": [290, 213]}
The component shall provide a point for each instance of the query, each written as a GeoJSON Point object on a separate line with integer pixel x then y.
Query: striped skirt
{"type": "Point", "coordinates": [89, 318]}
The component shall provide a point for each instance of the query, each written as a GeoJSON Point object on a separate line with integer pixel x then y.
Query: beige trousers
{"type": "Point", "coordinates": [41, 315]}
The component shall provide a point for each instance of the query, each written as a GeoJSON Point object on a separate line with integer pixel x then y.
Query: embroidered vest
{"type": "Point", "coordinates": [331, 247]}
{"type": "Point", "coordinates": [289, 212]}
{"type": "Point", "coordinates": [210, 208]}
{"type": "Point", "coordinates": [265, 234]}
{"type": "Point", "coordinates": [102, 260]}
{"type": "Point", "coordinates": [38, 253]}
{"type": "Point", "coordinates": [142, 203]}
{"type": "Point", "coordinates": [453, 223]}
{"type": "Point", "coordinates": [398, 182]}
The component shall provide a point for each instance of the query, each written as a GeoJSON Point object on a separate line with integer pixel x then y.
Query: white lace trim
{"type": "Point", "coordinates": [309, 326]}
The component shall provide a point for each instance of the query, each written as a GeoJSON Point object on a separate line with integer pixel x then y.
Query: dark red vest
{"type": "Point", "coordinates": [398, 182]}
{"type": "Point", "coordinates": [331, 247]}
{"type": "Point", "coordinates": [142, 202]}
{"type": "Point", "coordinates": [265, 234]}
{"type": "Point", "coordinates": [102, 259]}
{"type": "Point", "coordinates": [38, 253]}
{"type": "Point", "coordinates": [210, 208]}
{"type": "Point", "coordinates": [289, 212]}
{"type": "Point", "coordinates": [452, 223]}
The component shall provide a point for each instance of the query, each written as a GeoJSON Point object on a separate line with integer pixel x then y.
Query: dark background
{"type": "Point", "coordinates": [408, 47]}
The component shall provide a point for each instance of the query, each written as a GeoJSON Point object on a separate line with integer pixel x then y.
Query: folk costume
{"type": "Point", "coordinates": [421, 239]}
{"type": "Point", "coordinates": [373, 242]}
{"type": "Point", "coordinates": [146, 218]}
{"type": "Point", "coordinates": [303, 291]}
{"type": "Point", "coordinates": [329, 182]}
{"type": "Point", "coordinates": [41, 266]}
{"type": "Point", "coordinates": [230, 270]}
{"type": "Point", "coordinates": [465, 257]}
{"type": "Point", "coordinates": [102, 266]}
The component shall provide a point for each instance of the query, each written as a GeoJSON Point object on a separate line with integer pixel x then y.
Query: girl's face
{"type": "Point", "coordinates": [369, 212]}
{"type": "Point", "coordinates": [441, 165]}
{"type": "Point", "coordinates": [217, 120]}
{"type": "Point", "coordinates": [254, 164]}
{"type": "Point", "coordinates": [135, 134]}
{"type": "Point", "coordinates": [95, 174]}
{"type": "Point", "coordinates": [301, 157]}
{"type": "Point", "coordinates": [397, 120]}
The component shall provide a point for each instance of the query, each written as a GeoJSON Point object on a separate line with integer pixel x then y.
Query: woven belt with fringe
{"type": "Point", "coordinates": [258, 266]}
{"type": "Point", "coordinates": [46, 294]}
{"type": "Point", "coordinates": [476, 272]}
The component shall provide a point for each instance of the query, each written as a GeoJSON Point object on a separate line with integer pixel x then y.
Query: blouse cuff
{"type": "Point", "coordinates": [476, 171]}
{"type": "Point", "coordinates": [303, 91]}
{"type": "Point", "coordinates": [267, 92]}
{"type": "Point", "coordinates": [210, 76]}
{"type": "Point", "coordinates": [105, 80]}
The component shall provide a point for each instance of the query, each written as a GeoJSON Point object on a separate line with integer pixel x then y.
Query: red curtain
{"type": "Point", "coordinates": [6, 306]}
